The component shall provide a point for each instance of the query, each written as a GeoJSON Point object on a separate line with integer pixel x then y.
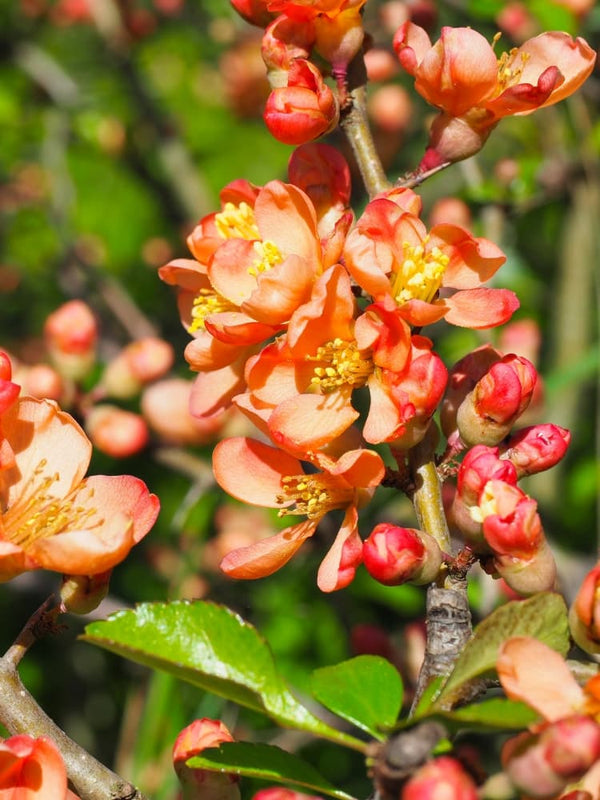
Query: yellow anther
{"type": "Point", "coordinates": [268, 256]}
{"type": "Point", "coordinates": [312, 495]}
{"type": "Point", "coordinates": [420, 274]}
{"type": "Point", "coordinates": [205, 303]}
{"type": "Point", "coordinates": [345, 365]}
{"type": "Point", "coordinates": [237, 222]}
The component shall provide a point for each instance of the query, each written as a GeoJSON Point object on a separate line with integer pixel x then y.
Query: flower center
{"type": "Point", "coordinates": [237, 222]}
{"type": "Point", "coordinates": [38, 514]}
{"type": "Point", "coordinates": [207, 302]}
{"type": "Point", "coordinates": [312, 495]}
{"type": "Point", "coordinates": [420, 274]}
{"type": "Point", "coordinates": [509, 74]}
{"type": "Point", "coordinates": [342, 364]}
{"type": "Point", "coordinates": [488, 505]}
{"type": "Point", "coordinates": [268, 256]}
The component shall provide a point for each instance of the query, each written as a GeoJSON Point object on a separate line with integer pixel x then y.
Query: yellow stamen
{"type": "Point", "coordinates": [509, 74]}
{"type": "Point", "coordinates": [237, 222]}
{"type": "Point", "coordinates": [207, 302]}
{"type": "Point", "coordinates": [592, 697]}
{"type": "Point", "coordinates": [487, 505]}
{"type": "Point", "coordinates": [38, 514]}
{"type": "Point", "coordinates": [312, 495]}
{"type": "Point", "coordinates": [269, 255]}
{"type": "Point", "coordinates": [420, 274]}
{"type": "Point", "coordinates": [343, 365]}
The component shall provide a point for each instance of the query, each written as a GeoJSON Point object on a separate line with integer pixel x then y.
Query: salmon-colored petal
{"type": "Point", "coordinates": [13, 561]}
{"type": "Point", "coordinates": [310, 421]}
{"type": "Point", "coordinates": [383, 329]}
{"type": "Point", "coordinates": [185, 273]}
{"type": "Point", "coordinates": [281, 290]}
{"type": "Point", "coordinates": [114, 494]}
{"type": "Point", "coordinates": [86, 551]}
{"type": "Point", "coordinates": [532, 672]}
{"type": "Point", "coordinates": [385, 421]}
{"type": "Point", "coordinates": [266, 556]}
{"type": "Point", "coordinates": [213, 392]}
{"type": "Point", "coordinates": [286, 216]}
{"type": "Point", "coordinates": [473, 260]}
{"type": "Point", "coordinates": [411, 43]}
{"type": "Point", "coordinates": [419, 313]}
{"type": "Point", "coordinates": [251, 471]}
{"type": "Point", "coordinates": [48, 446]}
{"type": "Point", "coordinates": [231, 269]}
{"type": "Point", "coordinates": [480, 308]}
{"type": "Point", "coordinates": [361, 468]}
{"type": "Point", "coordinates": [31, 769]}
{"type": "Point", "coordinates": [338, 567]}
{"type": "Point", "coordinates": [237, 328]}
{"type": "Point", "coordinates": [207, 353]}
{"type": "Point", "coordinates": [526, 97]}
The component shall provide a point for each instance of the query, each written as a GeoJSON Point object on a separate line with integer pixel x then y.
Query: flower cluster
{"type": "Point", "coordinates": [300, 318]}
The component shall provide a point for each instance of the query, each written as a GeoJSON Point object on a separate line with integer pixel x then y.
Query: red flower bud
{"type": "Point", "coordinates": [543, 764]}
{"type": "Point", "coordinates": [281, 793]}
{"type": "Point", "coordinates": [284, 41]}
{"type": "Point", "coordinates": [584, 614]}
{"type": "Point", "coordinates": [536, 448]}
{"type": "Point", "coordinates": [70, 333]}
{"type": "Point", "coordinates": [511, 524]}
{"type": "Point", "coordinates": [462, 379]}
{"type": "Point", "coordinates": [141, 362]}
{"type": "Point", "coordinates": [9, 391]}
{"type": "Point", "coordinates": [489, 411]}
{"type": "Point", "coordinates": [116, 432]}
{"type": "Point", "coordinates": [394, 555]}
{"type": "Point", "coordinates": [198, 736]}
{"type": "Point", "coordinates": [305, 109]}
{"type": "Point", "coordinates": [442, 777]}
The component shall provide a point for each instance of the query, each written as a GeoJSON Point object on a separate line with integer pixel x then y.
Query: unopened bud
{"type": "Point", "coordinates": [498, 399]}
{"type": "Point", "coordinates": [141, 362]}
{"type": "Point", "coordinates": [584, 614]}
{"type": "Point", "coordinates": [280, 793]}
{"type": "Point", "coordinates": [544, 763]}
{"type": "Point", "coordinates": [43, 381]}
{"type": "Point", "coordinates": [166, 408]}
{"type": "Point", "coordinates": [9, 391]}
{"type": "Point", "coordinates": [394, 555]}
{"type": "Point", "coordinates": [70, 333]}
{"type": "Point", "coordinates": [442, 777]}
{"type": "Point", "coordinates": [303, 110]}
{"type": "Point", "coordinates": [81, 594]}
{"type": "Point", "coordinates": [285, 40]}
{"type": "Point", "coordinates": [461, 380]}
{"type": "Point", "coordinates": [536, 448]}
{"type": "Point", "coordinates": [200, 784]}
{"type": "Point", "coordinates": [116, 432]}
{"type": "Point", "coordinates": [528, 575]}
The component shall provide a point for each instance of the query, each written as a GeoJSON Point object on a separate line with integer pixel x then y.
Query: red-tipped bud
{"type": "Point", "coordinates": [498, 399]}
{"type": "Point", "coordinates": [254, 11]}
{"type": "Point", "coordinates": [442, 777]}
{"type": "Point", "coordinates": [511, 524]}
{"type": "Point", "coordinates": [462, 379]}
{"type": "Point", "coordinates": [284, 41]}
{"type": "Point", "coordinates": [305, 109]}
{"type": "Point", "coordinates": [394, 555]}
{"type": "Point", "coordinates": [166, 408]}
{"type": "Point", "coordinates": [543, 764]}
{"type": "Point", "coordinates": [199, 784]}
{"type": "Point", "coordinates": [452, 211]}
{"type": "Point", "coordinates": [380, 65]}
{"type": "Point", "coordinates": [116, 432]}
{"type": "Point", "coordinates": [584, 614]}
{"type": "Point", "coordinates": [391, 108]}
{"type": "Point", "coordinates": [44, 381]}
{"type": "Point", "coordinates": [340, 37]}
{"type": "Point", "coordinates": [141, 362]}
{"type": "Point", "coordinates": [9, 391]}
{"type": "Point", "coordinates": [453, 139]}
{"type": "Point", "coordinates": [71, 333]}
{"type": "Point", "coordinates": [81, 594]}
{"type": "Point", "coordinates": [280, 793]}
{"type": "Point", "coordinates": [536, 448]}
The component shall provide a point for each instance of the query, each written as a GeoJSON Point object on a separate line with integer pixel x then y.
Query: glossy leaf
{"type": "Point", "coordinates": [543, 617]}
{"type": "Point", "coordinates": [266, 762]}
{"type": "Point", "coordinates": [366, 690]}
{"type": "Point", "coordinates": [213, 648]}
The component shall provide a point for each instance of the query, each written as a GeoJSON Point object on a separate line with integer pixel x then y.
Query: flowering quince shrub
{"type": "Point", "coordinates": [318, 334]}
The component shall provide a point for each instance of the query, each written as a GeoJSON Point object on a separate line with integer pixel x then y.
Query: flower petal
{"type": "Point", "coordinates": [338, 567]}
{"type": "Point", "coordinates": [310, 421]}
{"type": "Point", "coordinates": [480, 308]}
{"type": "Point", "coordinates": [266, 556]}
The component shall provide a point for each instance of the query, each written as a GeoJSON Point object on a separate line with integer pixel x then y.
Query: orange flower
{"type": "Point", "coordinates": [32, 768]}
{"type": "Point", "coordinates": [53, 518]}
{"type": "Point", "coordinates": [262, 475]}
{"type": "Point", "coordinates": [390, 253]}
{"type": "Point", "coordinates": [462, 76]}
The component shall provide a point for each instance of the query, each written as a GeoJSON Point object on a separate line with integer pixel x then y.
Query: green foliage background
{"type": "Point", "coordinates": [113, 143]}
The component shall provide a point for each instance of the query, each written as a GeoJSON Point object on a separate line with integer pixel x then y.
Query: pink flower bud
{"type": "Point", "coordinates": [462, 379]}
{"type": "Point", "coordinates": [390, 108]}
{"type": "Point", "coordinates": [70, 333]}
{"type": "Point", "coordinates": [453, 139]}
{"type": "Point", "coordinates": [280, 793]}
{"type": "Point", "coordinates": [305, 109]}
{"type": "Point", "coordinates": [584, 614]}
{"type": "Point", "coordinates": [380, 65]}
{"type": "Point", "coordinates": [452, 211]}
{"type": "Point", "coordinates": [542, 764]}
{"type": "Point", "coordinates": [44, 381]}
{"type": "Point", "coordinates": [394, 555]}
{"type": "Point", "coordinates": [165, 406]}
{"type": "Point", "coordinates": [441, 777]}
{"type": "Point", "coordinates": [511, 524]}
{"type": "Point", "coordinates": [141, 362]}
{"type": "Point", "coordinates": [536, 448]}
{"type": "Point", "coordinates": [198, 783]}
{"type": "Point", "coordinates": [116, 432]}
{"type": "Point", "coordinates": [498, 399]}
{"type": "Point", "coordinates": [9, 391]}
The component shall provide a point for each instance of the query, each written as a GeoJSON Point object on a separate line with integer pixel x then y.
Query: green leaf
{"type": "Point", "coordinates": [496, 713]}
{"type": "Point", "coordinates": [366, 690]}
{"type": "Point", "coordinates": [211, 647]}
{"type": "Point", "coordinates": [266, 762]}
{"type": "Point", "coordinates": [543, 617]}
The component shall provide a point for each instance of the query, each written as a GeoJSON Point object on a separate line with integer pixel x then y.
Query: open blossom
{"type": "Point", "coordinates": [462, 76]}
{"type": "Point", "coordinates": [51, 516]}
{"type": "Point", "coordinates": [565, 748]}
{"type": "Point", "coordinates": [390, 253]}
{"type": "Point", "coordinates": [259, 474]}
{"type": "Point", "coordinates": [33, 769]}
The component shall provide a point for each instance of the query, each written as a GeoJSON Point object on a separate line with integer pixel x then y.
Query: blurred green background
{"type": "Point", "coordinates": [120, 121]}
